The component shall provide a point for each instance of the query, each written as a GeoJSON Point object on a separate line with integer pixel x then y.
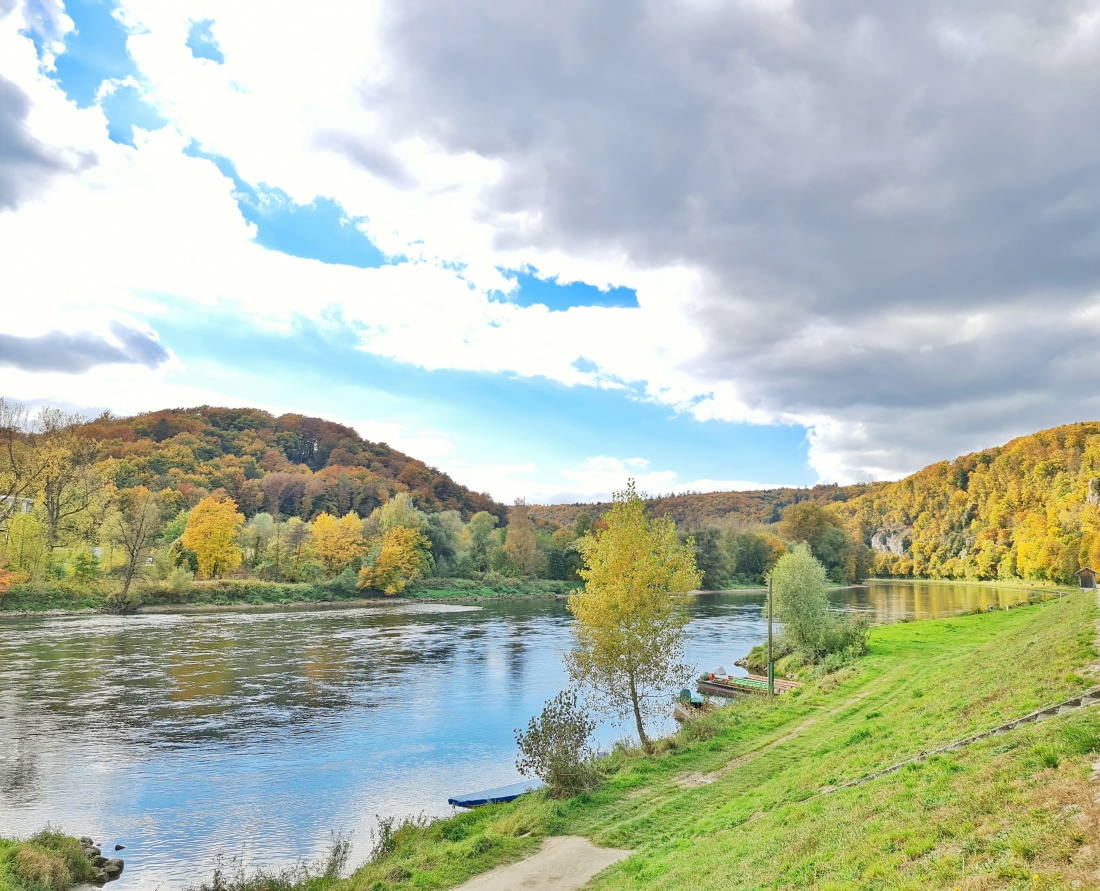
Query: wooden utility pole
{"type": "Point", "coordinates": [771, 665]}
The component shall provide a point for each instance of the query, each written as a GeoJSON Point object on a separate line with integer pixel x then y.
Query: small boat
{"type": "Point", "coordinates": [689, 705]}
{"type": "Point", "coordinates": [495, 796]}
{"type": "Point", "coordinates": [718, 683]}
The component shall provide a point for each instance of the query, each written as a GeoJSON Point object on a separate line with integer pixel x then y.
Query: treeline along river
{"type": "Point", "coordinates": [256, 735]}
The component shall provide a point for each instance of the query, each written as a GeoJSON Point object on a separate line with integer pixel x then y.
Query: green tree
{"type": "Point", "coordinates": [25, 549]}
{"type": "Point", "coordinates": [133, 526]}
{"type": "Point", "coordinates": [480, 533]}
{"type": "Point", "coordinates": [711, 558]}
{"type": "Point", "coordinates": [630, 615]}
{"type": "Point", "coordinates": [258, 533]}
{"type": "Point", "coordinates": [400, 511]}
{"type": "Point", "coordinates": [799, 594]}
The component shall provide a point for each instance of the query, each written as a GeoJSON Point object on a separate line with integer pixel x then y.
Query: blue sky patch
{"type": "Point", "coordinates": [125, 109]}
{"type": "Point", "coordinates": [203, 44]}
{"type": "Point", "coordinates": [95, 51]}
{"type": "Point", "coordinates": [490, 417]}
{"type": "Point", "coordinates": [550, 294]}
{"type": "Point", "coordinates": [320, 230]}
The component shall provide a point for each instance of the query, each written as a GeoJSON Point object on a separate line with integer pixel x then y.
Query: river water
{"type": "Point", "coordinates": [257, 735]}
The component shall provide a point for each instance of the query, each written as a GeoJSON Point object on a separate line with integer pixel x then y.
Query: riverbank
{"type": "Point", "coordinates": [755, 795]}
{"type": "Point", "coordinates": [60, 598]}
{"type": "Point", "coordinates": [1010, 584]}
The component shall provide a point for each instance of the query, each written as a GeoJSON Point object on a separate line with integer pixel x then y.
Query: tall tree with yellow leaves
{"type": "Point", "coordinates": [338, 542]}
{"type": "Point", "coordinates": [405, 556]}
{"type": "Point", "coordinates": [519, 547]}
{"type": "Point", "coordinates": [630, 614]}
{"type": "Point", "coordinates": [211, 532]}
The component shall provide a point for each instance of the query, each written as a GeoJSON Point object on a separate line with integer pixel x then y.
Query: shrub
{"type": "Point", "coordinates": [556, 747]}
{"type": "Point", "coordinates": [390, 831]}
{"type": "Point", "coordinates": [179, 581]}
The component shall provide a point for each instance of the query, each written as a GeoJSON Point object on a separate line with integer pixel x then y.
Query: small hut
{"type": "Point", "coordinates": [1087, 577]}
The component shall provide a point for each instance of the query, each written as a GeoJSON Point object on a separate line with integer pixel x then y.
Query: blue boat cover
{"type": "Point", "coordinates": [492, 796]}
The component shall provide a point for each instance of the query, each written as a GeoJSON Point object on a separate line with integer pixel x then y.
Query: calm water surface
{"type": "Point", "coordinates": [256, 735]}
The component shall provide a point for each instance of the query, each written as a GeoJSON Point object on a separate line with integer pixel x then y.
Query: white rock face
{"type": "Point", "coordinates": [891, 541]}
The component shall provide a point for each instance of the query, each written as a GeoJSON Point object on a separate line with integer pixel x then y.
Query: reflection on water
{"type": "Point", "coordinates": [257, 734]}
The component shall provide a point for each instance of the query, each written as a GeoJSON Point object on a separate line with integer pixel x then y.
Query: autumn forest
{"type": "Point", "coordinates": [154, 507]}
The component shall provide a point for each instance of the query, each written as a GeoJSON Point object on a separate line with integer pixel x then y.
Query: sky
{"type": "Point", "coordinates": [547, 247]}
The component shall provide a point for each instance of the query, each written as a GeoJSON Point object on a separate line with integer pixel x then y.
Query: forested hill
{"type": "Point", "coordinates": [289, 465]}
{"type": "Point", "coordinates": [697, 510]}
{"type": "Point", "coordinates": [1028, 509]}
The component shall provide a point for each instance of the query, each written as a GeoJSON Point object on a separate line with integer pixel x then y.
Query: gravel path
{"type": "Point", "coordinates": [563, 863]}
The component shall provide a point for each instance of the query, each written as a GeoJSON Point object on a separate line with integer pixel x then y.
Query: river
{"type": "Point", "coordinates": [255, 735]}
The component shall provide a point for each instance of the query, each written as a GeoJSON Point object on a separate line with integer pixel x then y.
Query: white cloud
{"type": "Point", "coordinates": [812, 240]}
{"type": "Point", "coordinates": [596, 479]}
{"type": "Point", "coordinates": [429, 446]}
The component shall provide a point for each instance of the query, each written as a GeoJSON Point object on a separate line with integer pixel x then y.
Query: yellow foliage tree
{"type": "Point", "coordinates": [338, 542]}
{"type": "Point", "coordinates": [630, 614]}
{"type": "Point", "coordinates": [405, 555]}
{"type": "Point", "coordinates": [519, 547]}
{"type": "Point", "coordinates": [211, 532]}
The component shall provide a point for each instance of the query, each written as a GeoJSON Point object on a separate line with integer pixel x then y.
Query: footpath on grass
{"type": "Point", "coordinates": [1017, 809]}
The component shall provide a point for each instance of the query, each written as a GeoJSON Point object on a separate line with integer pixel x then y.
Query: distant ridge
{"type": "Point", "coordinates": [293, 465]}
{"type": "Point", "coordinates": [1029, 509]}
{"type": "Point", "coordinates": [702, 508]}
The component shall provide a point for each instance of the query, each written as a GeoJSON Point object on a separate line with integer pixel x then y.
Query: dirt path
{"type": "Point", "coordinates": [563, 863]}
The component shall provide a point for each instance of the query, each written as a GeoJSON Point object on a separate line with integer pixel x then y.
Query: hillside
{"type": "Point", "coordinates": [289, 465]}
{"type": "Point", "coordinates": [1029, 509]}
{"type": "Point", "coordinates": [701, 509]}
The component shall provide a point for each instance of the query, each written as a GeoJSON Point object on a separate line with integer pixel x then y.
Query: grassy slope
{"type": "Point", "coordinates": [992, 815]}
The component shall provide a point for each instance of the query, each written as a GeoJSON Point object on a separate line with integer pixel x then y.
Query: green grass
{"type": "Point", "coordinates": [990, 816]}
{"type": "Point", "coordinates": [506, 588]}
{"type": "Point", "coordinates": [48, 861]}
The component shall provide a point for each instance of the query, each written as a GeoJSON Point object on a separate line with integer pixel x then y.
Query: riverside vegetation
{"type": "Point", "coordinates": [216, 505]}
{"type": "Point", "coordinates": [755, 795]}
{"type": "Point", "coordinates": [47, 861]}
{"type": "Point", "coordinates": [116, 511]}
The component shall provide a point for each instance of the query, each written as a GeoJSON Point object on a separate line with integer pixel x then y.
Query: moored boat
{"type": "Point", "coordinates": [493, 796]}
{"type": "Point", "coordinates": [718, 683]}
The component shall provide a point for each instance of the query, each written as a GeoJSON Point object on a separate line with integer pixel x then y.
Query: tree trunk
{"type": "Point", "coordinates": [647, 746]}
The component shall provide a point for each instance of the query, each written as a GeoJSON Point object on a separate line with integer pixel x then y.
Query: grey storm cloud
{"type": "Point", "coordinates": [82, 350]}
{"type": "Point", "coordinates": [827, 165]}
{"type": "Point", "coordinates": [25, 164]}
{"type": "Point", "coordinates": [373, 157]}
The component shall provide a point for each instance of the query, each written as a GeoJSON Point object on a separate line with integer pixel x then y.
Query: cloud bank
{"type": "Point", "coordinates": [880, 222]}
{"type": "Point", "coordinates": [81, 351]}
